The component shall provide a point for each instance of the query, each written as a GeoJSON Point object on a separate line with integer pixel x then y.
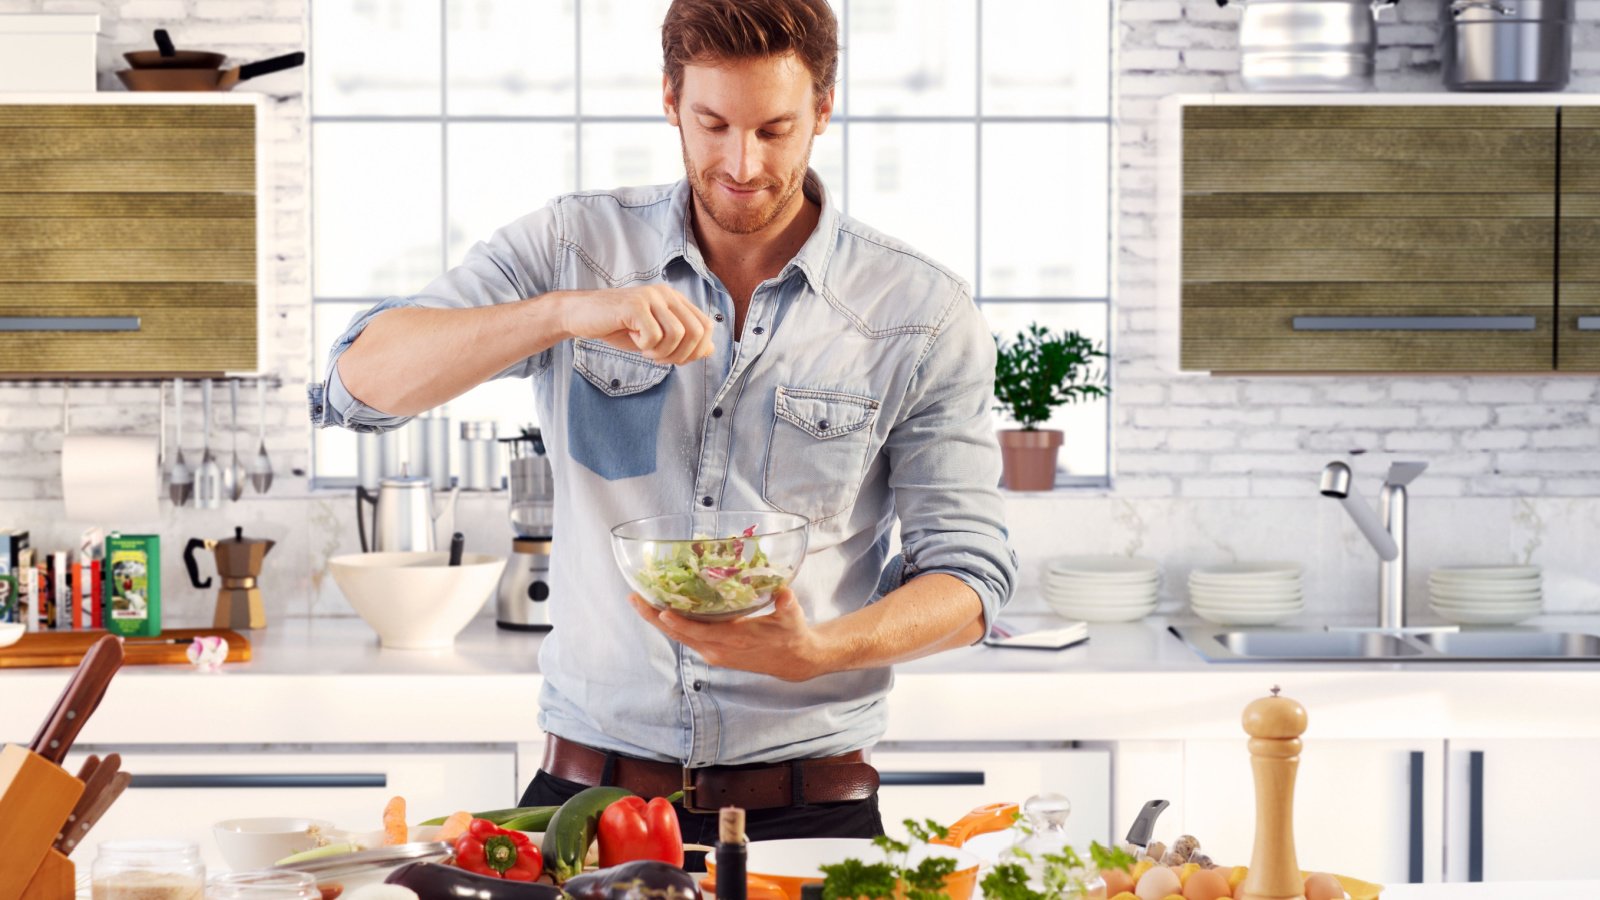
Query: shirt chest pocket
{"type": "Point", "coordinates": [817, 453]}
{"type": "Point", "coordinates": [614, 405]}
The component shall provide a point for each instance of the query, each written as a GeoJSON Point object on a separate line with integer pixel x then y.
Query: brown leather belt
{"type": "Point", "coordinates": [830, 779]}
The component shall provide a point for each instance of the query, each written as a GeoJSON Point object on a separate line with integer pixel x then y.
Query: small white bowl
{"type": "Point", "coordinates": [258, 843]}
{"type": "Point", "coordinates": [11, 632]}
{"type": "Point", "coordinates": [416, 601]}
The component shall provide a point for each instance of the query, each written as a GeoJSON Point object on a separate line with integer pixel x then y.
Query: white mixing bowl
{"type": "Point", "coordinates": [417, 601]}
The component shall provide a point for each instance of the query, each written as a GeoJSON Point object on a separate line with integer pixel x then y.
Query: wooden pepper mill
{"type": "Point", "coordinates": [1274, 725]}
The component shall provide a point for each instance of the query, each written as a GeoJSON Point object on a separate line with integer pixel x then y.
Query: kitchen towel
{"type": "Point", "coordinates": [110, 479]}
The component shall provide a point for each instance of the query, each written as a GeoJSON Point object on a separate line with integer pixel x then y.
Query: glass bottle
{"type": "Point", "coordinates": [1046, 815]}
{"type": "Point", "coordinates": [148, 870]}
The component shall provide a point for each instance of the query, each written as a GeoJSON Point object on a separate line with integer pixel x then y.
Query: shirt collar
{"type": "Point", "coordinates": [811, 260]}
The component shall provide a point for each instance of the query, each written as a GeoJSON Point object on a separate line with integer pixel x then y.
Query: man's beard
{"type": "Point", "coordinates": [743, 220]}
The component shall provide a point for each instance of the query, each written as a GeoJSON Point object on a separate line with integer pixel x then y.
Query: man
{"type": "Point", "coordinates": [727, 342]}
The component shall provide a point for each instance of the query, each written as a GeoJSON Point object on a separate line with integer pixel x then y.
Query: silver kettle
{"type": "Point", "coordinates": [403, 518]}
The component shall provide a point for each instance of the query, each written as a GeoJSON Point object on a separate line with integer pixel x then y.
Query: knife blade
{"type": "Point", "coordinates": [119, 783]}
{"type": "Point", "coordinates": [79, 699]}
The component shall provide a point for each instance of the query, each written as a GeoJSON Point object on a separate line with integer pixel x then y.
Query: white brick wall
{"type": "Point", "coordinates": [1513, 433]}
{"type": "Point", "coordinates": [1206, 469]}
{"type": "Point", "coordinates": [247, 30]}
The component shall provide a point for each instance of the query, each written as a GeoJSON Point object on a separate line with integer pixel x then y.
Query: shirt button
{"type": "Point", "coordinates": [706, 501]}
{"type": "Point", "coordinates": [823, 425]}
{"type": "Point", "coordinates": [718, 317]}
{"type": "Point", "coordinates": [759, 330]}
{"type": "Point", "coordinates": [699, 685]}
{"type": "Point", "coordinates": [716, 413]}
{"type": "Point", "coordinates": [616, 382]}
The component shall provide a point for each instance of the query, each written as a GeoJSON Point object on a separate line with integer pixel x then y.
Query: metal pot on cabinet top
{"type": "Point", "coordinates": [239, 560]}
{"type": "Point", "coordinates": [1308, 45]}
{"type": "Point", "coordinates": [1508, 45]}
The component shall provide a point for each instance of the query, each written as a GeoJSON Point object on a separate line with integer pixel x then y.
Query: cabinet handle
{"type": "Point", "coordinates": [69, 323]}
{"type": "Point", "coordinates": [928, 779]}
{"type": "Point", "coordinates": [1589, 323]}
{"type": "Point", "coordinates": [1414, 832]}
{"type": "Point", "coordinates": [1414, 323]}
{"type": "Point", "coordinates": [1475, 816]}
{"type": "Point", "coordinates": [308, 780]}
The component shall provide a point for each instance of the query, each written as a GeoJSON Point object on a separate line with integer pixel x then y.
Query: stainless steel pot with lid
{"type": "Point", "coordinates": [1508, 45]}
{"type": "Point", "coordinates": [1308, 45]}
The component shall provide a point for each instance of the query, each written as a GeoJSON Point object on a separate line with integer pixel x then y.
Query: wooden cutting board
{"type": "Point", "coordinates": [66, 648]}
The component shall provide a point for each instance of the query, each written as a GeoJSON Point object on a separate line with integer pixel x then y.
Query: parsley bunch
{"type": "Point", "coordinates": [853, 879]}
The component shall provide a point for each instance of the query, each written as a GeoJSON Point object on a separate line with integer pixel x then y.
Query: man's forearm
{"type": "Point", "coordinates": [928, 614]}
{"type": "Point", "coordinates": [410, 360]}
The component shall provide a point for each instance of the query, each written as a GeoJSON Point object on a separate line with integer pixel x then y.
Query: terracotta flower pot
{"type": "Point", "coordinates": [1029, 458]}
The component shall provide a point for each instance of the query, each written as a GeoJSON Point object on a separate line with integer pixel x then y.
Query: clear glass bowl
{"type": "Point", "coordinates": [711, 566]}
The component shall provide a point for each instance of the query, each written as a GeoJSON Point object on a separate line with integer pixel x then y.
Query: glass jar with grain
{"type": "Point", "coordinates": [148, 870]}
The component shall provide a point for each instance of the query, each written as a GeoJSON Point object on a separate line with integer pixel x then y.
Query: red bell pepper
{"type": "Point", "coordinates": [631, 829]}
{"type": "Point", "coordinates": [488, 849]}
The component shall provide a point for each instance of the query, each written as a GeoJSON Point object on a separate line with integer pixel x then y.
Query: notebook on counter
{"type": "Point", "coordinates": [1008, 633]}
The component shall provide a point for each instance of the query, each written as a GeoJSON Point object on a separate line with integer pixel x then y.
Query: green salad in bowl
{"type": "Point", "coordinates": [710, 566]}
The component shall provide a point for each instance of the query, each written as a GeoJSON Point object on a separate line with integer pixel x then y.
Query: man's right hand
{"type": "Point", "coordinates": [652, 319]}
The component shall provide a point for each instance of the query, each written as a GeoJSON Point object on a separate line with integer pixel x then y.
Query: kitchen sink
{"type": "Point", "coordinates": [1314, 645]}
{"type": "Point", "coordinates": [1514, 644]}
{"type": "Point", "coordinates": [1292, 645]}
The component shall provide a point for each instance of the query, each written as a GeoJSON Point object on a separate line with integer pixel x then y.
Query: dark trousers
{"type": "Point", "coordinates": [858, 818]}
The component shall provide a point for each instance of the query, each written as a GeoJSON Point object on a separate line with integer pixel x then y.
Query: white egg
{"type": "Point", "coordinates": [1157, 883]}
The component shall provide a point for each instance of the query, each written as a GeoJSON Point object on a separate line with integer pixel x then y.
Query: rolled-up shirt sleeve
{"type": "Point", "coordinates": [944, 462]}
{"type": "Point", "coordinates": [516, 263]}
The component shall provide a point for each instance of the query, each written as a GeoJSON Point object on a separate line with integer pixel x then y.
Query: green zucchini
{"type": "Point", "coordinates": [572, 829]}
{"type": "Point", "coordinates": [537, 820]}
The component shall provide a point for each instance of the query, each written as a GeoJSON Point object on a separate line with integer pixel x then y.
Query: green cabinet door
{"type": "Point", "coordinates": [1368, 238]}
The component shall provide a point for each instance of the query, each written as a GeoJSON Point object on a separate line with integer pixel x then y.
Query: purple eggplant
{"type": "Point", "coordinates": [436, 881]}
{"type": "Point", "coordinates": [644, 879]}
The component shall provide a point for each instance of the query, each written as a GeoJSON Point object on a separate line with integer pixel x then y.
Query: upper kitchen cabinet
{"type": "Point", "coordinates": [1578, 290]}
{"type": "Point", "coordinates": [1355, 237]}
{"type": "Point", "coordinates": [128, 234]}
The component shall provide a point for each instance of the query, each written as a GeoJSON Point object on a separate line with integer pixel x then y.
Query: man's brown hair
{"type": "Point", "coordinates": [702, 31]}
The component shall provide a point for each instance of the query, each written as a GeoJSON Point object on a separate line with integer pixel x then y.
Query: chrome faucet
{"type": "Point", "coordinates": [1385, 530]}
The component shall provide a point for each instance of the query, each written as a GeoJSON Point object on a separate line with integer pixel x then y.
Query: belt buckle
{"type": "Point", "coordinates": [689, 789]}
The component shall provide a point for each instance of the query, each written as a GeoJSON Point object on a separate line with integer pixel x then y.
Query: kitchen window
{"type": "Point", "coordinates": [433, 122]}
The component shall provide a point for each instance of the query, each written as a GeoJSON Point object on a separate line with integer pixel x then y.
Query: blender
{"type": "Point", "coordinates": [522, 603]}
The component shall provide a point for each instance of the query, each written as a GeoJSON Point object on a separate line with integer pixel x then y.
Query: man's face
{"type": "Point", "coordinates": [747, 128]}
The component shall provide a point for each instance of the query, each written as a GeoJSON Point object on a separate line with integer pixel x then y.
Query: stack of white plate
{"type": "Point", "coordinates": [1486, 595]}
{"type": "Point", "coordinates": [1102, 588]}
{"type": "Point", "coordinates": [1247, 593]}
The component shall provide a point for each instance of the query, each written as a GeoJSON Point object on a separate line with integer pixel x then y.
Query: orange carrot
{"type": "Point", "coordinates": [454, 827]}
{"type": "Point", "coordinates": [394, 821]}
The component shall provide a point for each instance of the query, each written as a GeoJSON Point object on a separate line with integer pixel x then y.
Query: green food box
{"type": "Point", "coordinates": [133, 584]}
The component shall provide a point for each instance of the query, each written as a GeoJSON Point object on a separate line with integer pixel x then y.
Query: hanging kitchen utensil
{"type": "Point", "coordinates": [234, 475]}
{"type": "Point", "coordinates": [167, 57]}
{"type": "Point", "coordinates": [206, 79]}
{"type": "Point", "coordinates": [261, 465]}
{"type": "Point", "coordinates": [180, 481]}
{"type": "Point", "coordinates": [78, 700]}
{"type": "Point", "coordinates": [208, 479]}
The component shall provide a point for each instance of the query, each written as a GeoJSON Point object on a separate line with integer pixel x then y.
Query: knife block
{"type": "Point", "coordinates": [36, 796]}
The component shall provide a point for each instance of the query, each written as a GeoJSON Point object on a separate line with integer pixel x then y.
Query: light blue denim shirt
{"type": "Point", "coordinates": [860, 391]}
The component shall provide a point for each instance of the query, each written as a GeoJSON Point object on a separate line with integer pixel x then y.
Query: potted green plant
{"type": "Point", "coordinates": [1033, 375]}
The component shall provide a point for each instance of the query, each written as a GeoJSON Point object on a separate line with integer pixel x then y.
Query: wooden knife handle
{"type": "Point", "coordinates": [104, 772]}
{"type": "Point", "coordinates": [82, 694]}
{"type": "Point", "coordinates": [80, 829]}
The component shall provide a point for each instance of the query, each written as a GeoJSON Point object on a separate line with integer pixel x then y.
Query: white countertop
{"type": "Point", "coordinates": [328, 681]}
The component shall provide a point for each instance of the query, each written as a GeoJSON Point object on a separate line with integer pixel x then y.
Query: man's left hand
{"type": "Point", "coordinates": [781, 643]}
